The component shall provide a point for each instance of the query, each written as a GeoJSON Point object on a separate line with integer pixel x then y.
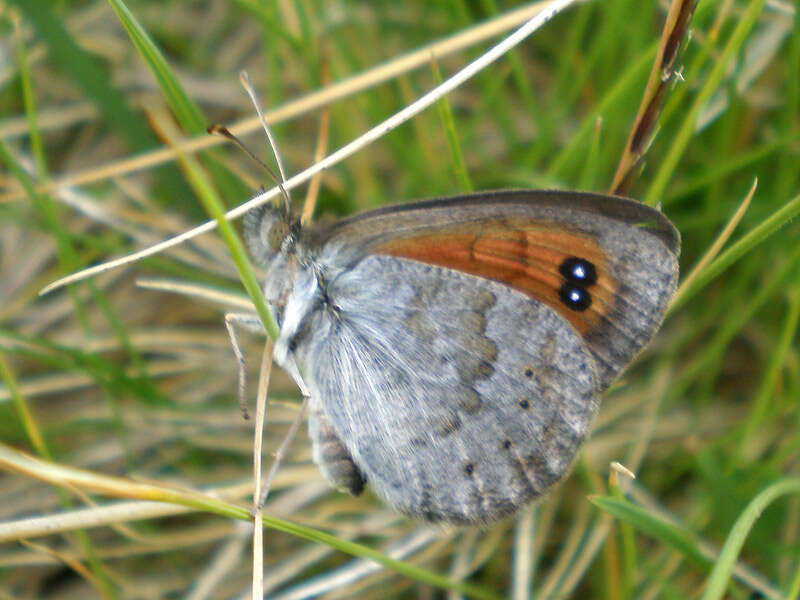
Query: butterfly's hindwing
{"type": "Point", "coordinates": [458, 399]}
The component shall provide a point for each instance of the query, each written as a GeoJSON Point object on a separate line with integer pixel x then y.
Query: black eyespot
{"type": "Point", "coordinates": [507, 444]}
{"type": "Point", "coordinates": [469, 469]}
{"type": "Point", "coordinates": [528, 372]}
{"type": "Point", "coordinates": [578, 271]}
{"type": "Point", "coordinates": [292, 345]}
{"type": "Point", "coordinates": [524, 404]}
{"type": "Point", "coordinates": [575, 297]}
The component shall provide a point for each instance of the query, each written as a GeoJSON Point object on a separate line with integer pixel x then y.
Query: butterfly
{"type": "Point", "coordinates": [454, 350]}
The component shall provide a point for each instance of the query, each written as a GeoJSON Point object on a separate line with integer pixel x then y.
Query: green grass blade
{"type": "Point", "coordinates": [12, 459]}
{"type": "Point", "coordinates": [456, 155]}
{"type": "Point", "coordinates": [188, 114]}
{"type": "Point", "coordinates": [682, 539]}
{"type": "Point", "coordinates": [720, 576]}
{"type": "Point", "coordinates": [739, 249]}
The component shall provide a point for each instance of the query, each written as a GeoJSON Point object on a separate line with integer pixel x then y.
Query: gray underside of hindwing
{"type": "Point", "coordinates": [456, 397]}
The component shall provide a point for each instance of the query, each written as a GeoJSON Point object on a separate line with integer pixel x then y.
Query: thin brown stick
{"type": "Point", "coordinates": [261, 416]}
{"type": "Point", "coordinates": [675, 27]}
{"type": "Point", "coordinates": [319, 153]}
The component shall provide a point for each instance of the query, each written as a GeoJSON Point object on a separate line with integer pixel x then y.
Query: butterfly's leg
{"type": "Point", "coordinates": [251, 322]}
{"type": "Point", "coordinates": [280, 453]}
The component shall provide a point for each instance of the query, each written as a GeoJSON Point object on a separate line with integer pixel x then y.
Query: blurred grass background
{"type": "Point", "coordinates": [120, 380]}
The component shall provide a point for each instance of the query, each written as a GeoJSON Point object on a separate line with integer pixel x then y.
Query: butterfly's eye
{"type": "Point", "coordinates": [578, 271]}
{"type": "Point", "coordinates": [575, 297]}
{"type": "Point", "coordinates": [277, 233]}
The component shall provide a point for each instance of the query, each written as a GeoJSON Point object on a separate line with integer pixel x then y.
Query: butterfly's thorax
{"type": "Point", "coordinates": [293, 308]}
{"type": "Point", "coordinates": [298, 291]}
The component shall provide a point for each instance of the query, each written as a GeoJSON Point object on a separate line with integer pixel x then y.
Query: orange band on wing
{"type": "Point", "coordinates": [526, 258]}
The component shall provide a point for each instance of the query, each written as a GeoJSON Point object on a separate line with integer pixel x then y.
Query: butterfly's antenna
{"type": "Point", "coordinates": [248, 87]}
{"type": "Point", "coordinates": [226, 133]}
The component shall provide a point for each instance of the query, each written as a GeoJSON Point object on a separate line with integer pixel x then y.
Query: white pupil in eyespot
{"type": "Point", "coordinates": [575, 295]}
{"type": "Point", "coordinates": [579, 272]}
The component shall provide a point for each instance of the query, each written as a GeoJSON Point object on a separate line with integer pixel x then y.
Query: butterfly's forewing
{"type": "Point", "coordinates": [608, 265]}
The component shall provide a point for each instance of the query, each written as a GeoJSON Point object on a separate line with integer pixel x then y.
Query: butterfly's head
{"type": "Point", "coordinates": [272, 235]}
{"type": "Point", "coordinates": [270, 231]}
